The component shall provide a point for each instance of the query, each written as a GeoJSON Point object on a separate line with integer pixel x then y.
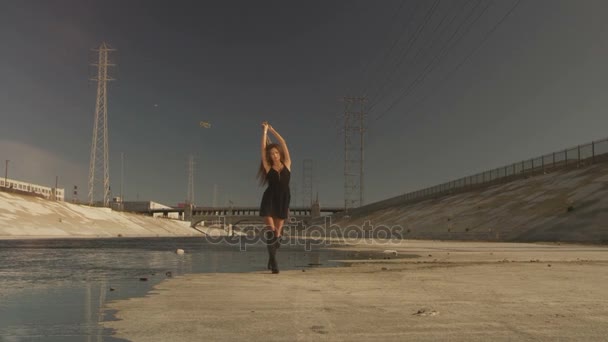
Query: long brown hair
{"type": "Point", "coordinates": [261, 171]}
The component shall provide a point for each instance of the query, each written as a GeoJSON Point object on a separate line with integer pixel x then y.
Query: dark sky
{"type": "Point", "coordinates": [451, 93]}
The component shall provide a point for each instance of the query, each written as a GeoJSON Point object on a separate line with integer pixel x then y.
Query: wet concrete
{"type": "Point", "coordinates": [56, 290]}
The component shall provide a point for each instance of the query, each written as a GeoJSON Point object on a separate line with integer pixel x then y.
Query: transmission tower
{"type": "Point", "coordinates": [215, 194]}
{"type": "Point", "coordinates": [294, 193]}
{"type": "Point", "coordinates": [354, 129]}
{"type": "Point", "coordinates": [100, 162]}
{"type": "Point", "coordinates": [190, 198]}
{"type": "Point", "coordinates": [307, 183]}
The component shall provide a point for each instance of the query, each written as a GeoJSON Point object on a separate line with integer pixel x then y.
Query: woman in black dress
{"type": "Point", "coordinates": [275, 170]}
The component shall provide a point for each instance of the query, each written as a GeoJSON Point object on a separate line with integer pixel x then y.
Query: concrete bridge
{"type": "Point", "coordinates": [235, 215]}
{"type": "Point", "coordinates": [241, 215]}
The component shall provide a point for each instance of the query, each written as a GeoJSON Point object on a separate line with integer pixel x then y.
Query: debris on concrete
{"type": "Point", "coordinates": [426, 312]}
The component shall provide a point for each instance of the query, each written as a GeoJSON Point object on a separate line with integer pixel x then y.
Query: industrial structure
{"type": "Point", "coordinates": [354, 129]}
{"type": "Point", "coordinates": [307, 178]}
{"type": "Point", "coordinates": [190, 191]}
{"type": "Point", "coordinates": [99, 163]}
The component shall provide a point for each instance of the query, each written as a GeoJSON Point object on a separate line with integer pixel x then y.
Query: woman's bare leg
{"type": "Point", "coordinates": [278, 226]}
{"type": "Point", "coordinates": [269, 222]}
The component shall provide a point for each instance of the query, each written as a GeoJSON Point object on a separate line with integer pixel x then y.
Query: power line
{"type": "Point", "coordinates": [354, 183]}
{"type": "Point", "coordinates": [390, 78]}
{"type": "Point", "coordinates": [415, 37]}
{"type": "Point", "coordinates": [393, 45]}
{"type": "Point", "coordinates": [338, 116]}
{"type": "Point", "coordinates": [377, 100]}
{"type": "Point", "coordinates": [471, 53]}
{"type": "Point", "coordinates": [433, 64]}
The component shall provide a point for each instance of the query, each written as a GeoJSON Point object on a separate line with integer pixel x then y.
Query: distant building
{"type": "Point", "coordinates": [315, 209]}
{"type": "Point", "coordinates": [145, 207]}
{"type": "Point", "coordinates": [41, 190]}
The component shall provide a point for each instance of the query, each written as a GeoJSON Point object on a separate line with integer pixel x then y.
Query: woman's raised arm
{"type": "Point", "coordinates": [263, 151]}
{"type": "Point", "coordinates": [283, 145]}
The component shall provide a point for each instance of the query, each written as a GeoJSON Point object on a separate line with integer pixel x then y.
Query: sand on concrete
{"type": "Point", "coordinates": [454, 291]}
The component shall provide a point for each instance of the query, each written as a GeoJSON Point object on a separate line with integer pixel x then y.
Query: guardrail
{"type": "Point", "coordinates": [578, 156]}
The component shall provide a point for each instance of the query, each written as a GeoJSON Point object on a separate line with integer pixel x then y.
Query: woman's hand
{"type": "Point", "coordinates": [265, 125]}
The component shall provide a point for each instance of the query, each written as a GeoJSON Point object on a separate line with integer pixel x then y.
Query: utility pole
{"type": "Point", "coordinates": [55, 190]}
{"type": "Point", "coordinates": [354, 129]}
{"type": "Point", "coordinates": [122, 175]}
{"type": "Point", "coordinates": [190, 198]}
{"type": "Point", "coordinates": [307, 176]}
{"type": "Point", "coordinates": [294, 193]}
{"type": "Point", "coordinates": [6, 173]}
{"type": "Point", "coordinates": [99, 147]}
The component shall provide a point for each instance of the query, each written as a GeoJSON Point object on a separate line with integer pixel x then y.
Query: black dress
{"type": "Point", "coordinates": [276, 198]}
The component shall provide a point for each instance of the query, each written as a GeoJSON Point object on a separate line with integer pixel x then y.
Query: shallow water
{"type": "Point", "coordinates": [54, 290]}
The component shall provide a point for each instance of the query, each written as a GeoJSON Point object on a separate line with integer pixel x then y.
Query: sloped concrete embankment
{"type": "Point", "coordinates": [31, 217]}
{"type": "Point", "coordinates": [568, 205]}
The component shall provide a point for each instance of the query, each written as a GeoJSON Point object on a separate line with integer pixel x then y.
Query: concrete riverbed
{"type": "Point", "coordinates": [457, 291]}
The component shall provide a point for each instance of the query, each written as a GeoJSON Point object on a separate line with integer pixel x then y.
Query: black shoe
{"type": "Point", "coordinates": [275, 271]}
